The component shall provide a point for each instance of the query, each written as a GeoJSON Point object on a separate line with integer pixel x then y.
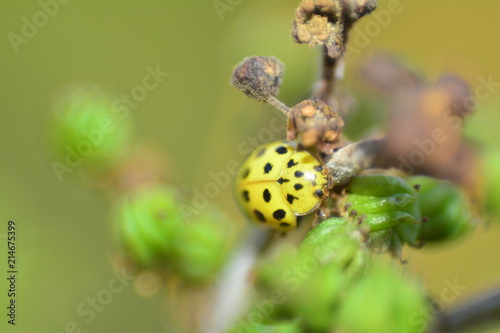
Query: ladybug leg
{"type": "Point", "coordinates": [321, 214]}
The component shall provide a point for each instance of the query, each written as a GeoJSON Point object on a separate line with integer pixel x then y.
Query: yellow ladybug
{"type": "Point", "coordinates": [278, 182]}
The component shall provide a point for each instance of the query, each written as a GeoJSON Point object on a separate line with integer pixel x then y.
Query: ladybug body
{"type": "Point", "coordinates": [278, 182]}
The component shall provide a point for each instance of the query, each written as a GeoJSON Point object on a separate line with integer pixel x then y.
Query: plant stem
{"type": "Point", "coordinates": [481, 311]}
{"type": "Point", "coordinates": [325, 86]}
{"type": "Point", "coordinates": [353, 158]}
{"type": "Point", "coordinates": [231, 290]}
{"type": "Point", "coordinates": [278, 105]}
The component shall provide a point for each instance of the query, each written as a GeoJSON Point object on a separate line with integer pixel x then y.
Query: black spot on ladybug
{"type": "Point", "coordinates": [246, 196]}
{"type": "Point", "coordinates": [282, 180]}
{"type": "Point", "coordinates": [290, 198]}
{"type": "Point", "coordinates": [298, 174]}
{"type": "Point", "coordinates": [267, 168]}
{"type": "Point", "coordinates": [259, 215]}
{"type": "Point", "coordinates": [279, 214]}
{"type": "Point", "coordinates": [291, 163]}
{"type": "Point", "coordinates": [281, 150]}
{"type": "Point", "coordinates": [318, 168]}
{"type": "Point", "coordinates": [245, 173]}
{"type": "Point", "coordinates": [319, 193]}
{"type": "Point", "coordinates": [284, 225]}
{"type": "Point", "coordinates": [298, 186]}
{"type": "Point", "coordinates": [261, 152]}
{"type": "Point", "coordinates": [267, 195]}
{"type": "Point", "coordinates": [313, 184]}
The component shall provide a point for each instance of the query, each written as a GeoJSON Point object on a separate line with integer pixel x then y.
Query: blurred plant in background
{"type": "Point", "coordinates": [417, 184]}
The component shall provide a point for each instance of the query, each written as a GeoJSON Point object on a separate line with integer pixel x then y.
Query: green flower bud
{"type": "Point", "coordinates": [382, 301]}
{"type": "Point", "coordinates": [86, 131]}
{"type": "Point", "coordinates": [310, 290]}
{"type": "Point", "coordinates": [389, 206]}
{"type": "Point", "coordinates": [334, 241]}
{"type": "Point", "coordinates": [202, 246]}
{"type": "Point", "coordinates": [148, 221]}
{"type": "Point", "coordinates": [447, 208]}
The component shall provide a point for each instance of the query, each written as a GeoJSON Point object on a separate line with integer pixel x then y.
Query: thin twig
{"type": "Point", "coordinates": [232, 287]}
{"type": "Point", "coordinates": [354, 158]}
{"type": "Point", "coordinates": [481, 311]}
{"type": "Point", "coordinates": [325, 87]}
{"type": "Point", "coordinates": [278, 105]}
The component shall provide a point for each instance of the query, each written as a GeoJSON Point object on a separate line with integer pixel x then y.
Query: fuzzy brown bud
{"type": "Point", "coordinates": [324, 22]}
{"type": "Point", "coordinates": [258, 77]}
{"type": "Point", "coordinates": [355, 9]}
{"type": "Point", "coordinates": [316, 123]}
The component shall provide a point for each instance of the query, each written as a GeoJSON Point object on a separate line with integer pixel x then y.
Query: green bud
{"type": "Point", "coordinates": [383, 301]}
{"type": "Point", "coordinates": [148, 221]}
{"type": "Point", "coordinates": [202, 246]}
{"type": "Point", "coordinates": [86, 130]}
{"type": "Point", "coordinates": [447, 208]}
{"type": "Point", "coordinates": [336, 242]}
{"type": "Point", "coordinates": [389, 206]}
{"type": "Point", "coordinates": [310, 290]}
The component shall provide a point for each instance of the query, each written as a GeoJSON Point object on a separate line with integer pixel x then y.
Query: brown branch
{"type": "Point", "coordinates": [348, 161]}
{"type": "Point", "coordinates": [326, 84]}
{"type": "Point", "coordinates": [482, 311]}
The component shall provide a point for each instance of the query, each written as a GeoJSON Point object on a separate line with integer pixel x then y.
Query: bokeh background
{"type": "Point", "coordinates": [64, 235]}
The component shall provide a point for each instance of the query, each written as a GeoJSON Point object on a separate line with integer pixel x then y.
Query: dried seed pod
{"type": "Point", "coordinates": [316, 123]}
{"type": "Point", "coordinates": [355, 9]}
{"type": "Point", "coordinates": [258, 77]}
{"type": "Point", "coordinates": [319, 22]}
{"type": "Point", "coordinates": [324, 22]}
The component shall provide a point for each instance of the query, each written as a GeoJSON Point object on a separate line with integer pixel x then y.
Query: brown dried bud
{"type": "Point", "coordinates": [355, 9]}
{"type": "Point", "coordinates": [459, 92]}
{"type": "Point", "coordinates": [323, 22]}
{"type": "Point", "coordinates": [319, 22]}
{"type": "Point", "coordinates": [258, 77]}
{"type": "Point", "coordinates": [316, 123]}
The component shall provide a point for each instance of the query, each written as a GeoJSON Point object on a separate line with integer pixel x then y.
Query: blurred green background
{"type": "Point", "coordinates": [199, 121]}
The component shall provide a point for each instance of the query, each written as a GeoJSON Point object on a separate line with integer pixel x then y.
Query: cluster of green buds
{"type": "Point", "coordinates": [388, 206]}
{"type": "Point", "coordinates": [411, 211]}
{"type": "Point", "coordinates": [150, 226]}
{"type": "Point", "coordinates": [308, 284]}
{"type": "Point", "coordinates": [328, 283]}
{"type": "Point", "coordinates": [86, 131]}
